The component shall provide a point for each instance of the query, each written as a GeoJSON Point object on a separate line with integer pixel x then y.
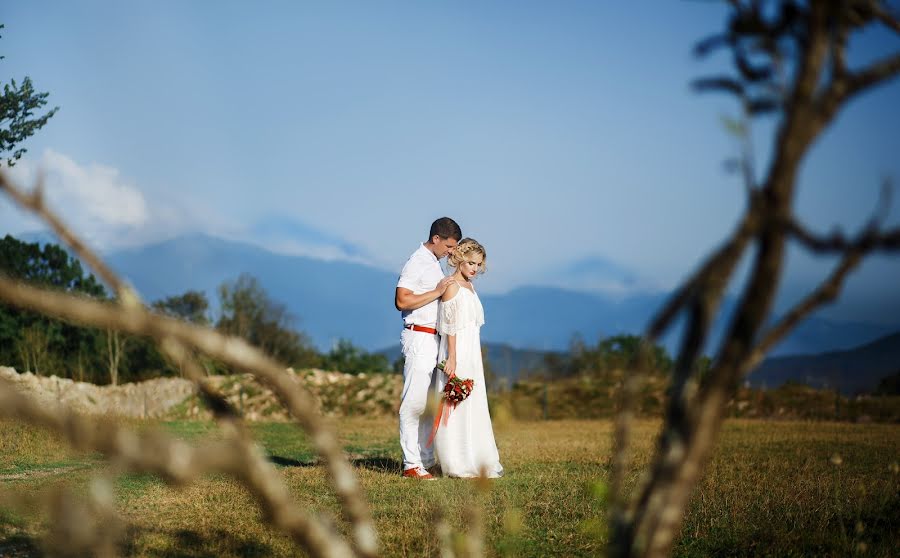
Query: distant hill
{"type": "Point", "coordinates": [338, 299]}
{"type": "Point", "coordinates": [330, 299]}
{"type": "Point", "coordinates": [852, 371]}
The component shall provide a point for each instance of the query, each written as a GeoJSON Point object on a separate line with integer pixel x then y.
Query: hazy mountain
{"type": "Point", "coordinates": [852, 371]}
{"type": "Point", "coordinates": [339, 299]}
{"type": "Point", "coordinates": [330, 299]}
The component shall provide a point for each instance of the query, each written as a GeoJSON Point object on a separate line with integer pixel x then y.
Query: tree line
{"type": "Point", "coordinates": [32, 342]}
{"type": "Point", "coordinates": [608, 355]}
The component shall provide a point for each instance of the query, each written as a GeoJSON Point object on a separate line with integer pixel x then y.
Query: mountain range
{"type": "Point", "coordinates": [339, 299]}
{"type": "Point", "coordinates": [851, 371]}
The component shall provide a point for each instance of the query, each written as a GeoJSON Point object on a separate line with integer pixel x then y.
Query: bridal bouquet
{"type": "Point", "coordinates": [456, 390]}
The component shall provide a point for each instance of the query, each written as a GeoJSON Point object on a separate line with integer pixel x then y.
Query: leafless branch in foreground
{"type": "Point", "coordinates": [77, 526]}
{"type": "Point", "coordinates": [178, 464]}
{"type": "Point", "coordinates": [176, 338]}
{"type": "Point", "coordinates": [646, 523]}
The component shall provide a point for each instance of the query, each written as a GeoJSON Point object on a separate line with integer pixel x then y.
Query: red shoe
{"type": "Point", "coordinates": [417, 473]}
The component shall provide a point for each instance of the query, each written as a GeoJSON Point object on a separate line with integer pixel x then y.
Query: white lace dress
{"type": "Point", "coordinates": [465, 446]}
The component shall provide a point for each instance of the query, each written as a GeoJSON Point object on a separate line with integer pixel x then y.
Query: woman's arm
{"type": "Point", "coordinates": [450, 365]}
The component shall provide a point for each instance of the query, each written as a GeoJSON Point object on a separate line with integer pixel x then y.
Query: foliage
{"type": "Point", "coordinates": [18, 122]}
{"type": "Point", "coordinates": [347, 358]}
{"type": "Point", "coordinates": [191, 306]}
{"type": "Point", "coordinates": [609, 355]}
{"type": "Point", "coordinates": [31, 342]}
{"type": "Point", "coordinates": [34, 342]}
{"type": "Point", "coordinates": [248, 312]}
{"type": "Point", "coordinates": [583, 397]}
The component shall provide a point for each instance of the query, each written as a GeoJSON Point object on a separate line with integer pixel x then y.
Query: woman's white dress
{"type": "Point", "coordinates": [465, 446]}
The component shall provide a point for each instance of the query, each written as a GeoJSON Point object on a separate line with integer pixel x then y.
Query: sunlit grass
{"type": "Point", "coordinates": [773, 488]}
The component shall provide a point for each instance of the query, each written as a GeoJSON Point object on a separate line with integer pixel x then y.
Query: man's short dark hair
{"type": "Point", "coordinates": [445, 227]}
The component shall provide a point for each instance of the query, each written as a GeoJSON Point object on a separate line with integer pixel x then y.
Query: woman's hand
{"type": "Point", "coordinates": [450, 367]}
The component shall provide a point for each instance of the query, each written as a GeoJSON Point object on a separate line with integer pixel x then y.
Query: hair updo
{"type": "Point", "coordinates": [465, 247]}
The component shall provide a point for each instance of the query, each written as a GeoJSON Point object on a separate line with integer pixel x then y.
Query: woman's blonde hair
{"type": "Point", "coordinates": [465, 247]}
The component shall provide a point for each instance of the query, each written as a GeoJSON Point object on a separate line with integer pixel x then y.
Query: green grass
{"type": "Point", "coordinates": [772, 489]}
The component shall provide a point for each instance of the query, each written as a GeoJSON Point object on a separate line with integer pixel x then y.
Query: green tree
{"type": "Point", "coordinates": [30, 341]}
{"type": "Point", "coordinates": [350, 359]}
{"type": "Point", "coordinates": [191, 307]}
{"type": "Point", "coordinates": [248, 312]}
{"type": "Point", "coordinates": [18, 122]}
{"type": "Point", "coordinates": [614, 353]}
{"type": "Point", "coordinates": [620, 350]}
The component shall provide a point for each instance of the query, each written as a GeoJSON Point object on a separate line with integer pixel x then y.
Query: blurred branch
{"type": "Point", "coordinates": [828, 291]}
{"type": "Point", "coordinates": [878, 72]}
{"type": "Point", "coordinates": [178, 463]}
{"type": "Point", "coordinates": [230, 350]}
{"type": "Point", "coordinates": [34, 202]}
{"type": "Point", "coordinates": [814, 34]}
{"type": "Point", "coordinates": [175, 337]}
{"type": "Point", "coordinates": [889, 20]}
{"type": "Point", "coordinates": [717, 267]}
{"type": "Point", "coordinates": [868, 241]}
{"type": "Point", "coordinates": [88, 526]}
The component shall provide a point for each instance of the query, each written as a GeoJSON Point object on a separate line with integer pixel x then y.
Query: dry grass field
{"type": "Point", "coordinates": [773, 489]}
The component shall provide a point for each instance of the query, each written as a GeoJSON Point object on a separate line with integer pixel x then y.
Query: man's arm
{"type": "Point", "coordinates": [405, 299]}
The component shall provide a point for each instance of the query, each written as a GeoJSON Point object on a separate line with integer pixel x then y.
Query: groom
{"type": "Point", "coordinates": [421, 284]}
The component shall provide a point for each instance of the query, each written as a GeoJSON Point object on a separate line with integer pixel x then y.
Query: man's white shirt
{"type": "Point", "coordinates": [421, 273]}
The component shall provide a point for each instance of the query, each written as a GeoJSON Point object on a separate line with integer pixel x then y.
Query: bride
{"type": "Point", "coordinates": [464, 443]}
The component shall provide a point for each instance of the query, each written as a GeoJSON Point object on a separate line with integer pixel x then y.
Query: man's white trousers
{"type": "Point", "coordinates": [420, 350]}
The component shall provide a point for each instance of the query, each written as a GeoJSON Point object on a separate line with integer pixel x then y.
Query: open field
{"type": "Point", "coordinates": [774, 488]}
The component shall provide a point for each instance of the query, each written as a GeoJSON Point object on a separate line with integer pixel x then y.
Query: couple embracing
{"type": "Point", "coordinates": [442, 318]}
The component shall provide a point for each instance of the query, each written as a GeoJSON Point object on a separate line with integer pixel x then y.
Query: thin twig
{"type": "Point", "coordinates": [232, 351]}
{"type": "Point", "coordinates": [827, 292]}
{"type": "Point", "coordinates": [838, 243]}
{"type": "Point", "coordinates": [178, 463]}
{"type": "Point", "coordinates": [879, 72]}
{"type": "Point", "coordinates": [242, 356]}
{"type": "Point", "coordinates": [35, 202]}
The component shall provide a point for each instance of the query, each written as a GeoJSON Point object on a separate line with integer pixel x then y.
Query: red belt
{"type": "Point", "coordinates": [423, 329]}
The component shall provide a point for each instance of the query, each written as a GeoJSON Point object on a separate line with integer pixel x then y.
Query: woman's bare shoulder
{"type": "Point", "coordinates": [451, 291]}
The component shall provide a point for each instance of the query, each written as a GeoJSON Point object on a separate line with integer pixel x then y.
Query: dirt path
{"type": "Point", "coordinates": [42, 473]}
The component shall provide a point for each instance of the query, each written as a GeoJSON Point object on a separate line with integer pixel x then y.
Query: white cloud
{"type": "Point", "coordinates": [94, 191]}
{"type": "Point", "coordinates": [101, 205]}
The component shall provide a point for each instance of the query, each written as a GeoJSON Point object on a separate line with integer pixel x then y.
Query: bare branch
{"type": "Point", "coordinates": [838, 48]}
{"type": "Point", "coordinates": [727, 84]}
{"type": "Point", "coordinates": [35, 203]}
{"type": "Point", "coordinates": [232, 351]}
{"type": "Point", "coordinates": [691, 424]}
{"type": "Point", "coordinates": [836, 242]}
{"type": "Point", "coordinates": [178, 463]}
{"type": "Point", "coordinates": [889, 20]}
{"type": "Point", "coordinates": [827, 292]}
{"type": "Point", "coordinates": [297, 401]}
{"type": "Point", "coordinates": [87, 526]}
{"type": "Point", "coordinates": [878, 72]}
{"type": "Point", "coordinates": [714, 270]}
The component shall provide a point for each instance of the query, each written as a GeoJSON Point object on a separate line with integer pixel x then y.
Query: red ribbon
{"type": "Point", "coordinates": [438, 419]}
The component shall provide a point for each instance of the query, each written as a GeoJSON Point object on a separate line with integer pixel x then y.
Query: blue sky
{"type": "Point", "coordinates": [563, 135]}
